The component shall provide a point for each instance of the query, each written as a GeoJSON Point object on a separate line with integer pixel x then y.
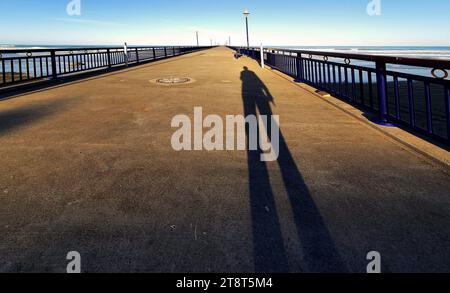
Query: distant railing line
{"type": "Point", "coordinates": [19, 66]}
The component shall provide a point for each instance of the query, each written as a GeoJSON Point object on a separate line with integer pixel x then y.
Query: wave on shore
{"type": "Point", "coordinates": [413, 52]}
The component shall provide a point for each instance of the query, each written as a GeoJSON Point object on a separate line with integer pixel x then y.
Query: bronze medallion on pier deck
{"type": "Point", "coordinates": [172, 80]}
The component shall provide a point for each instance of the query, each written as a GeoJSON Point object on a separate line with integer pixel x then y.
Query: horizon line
{"type": "Point", "coordinates": [220, 44]}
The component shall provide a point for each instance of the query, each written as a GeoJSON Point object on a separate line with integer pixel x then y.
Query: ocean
{"type": "Point", "coordinates": [442, 53]}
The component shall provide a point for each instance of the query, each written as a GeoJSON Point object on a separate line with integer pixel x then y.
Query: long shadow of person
{"type": "Point", "coordinates": [318, 249]}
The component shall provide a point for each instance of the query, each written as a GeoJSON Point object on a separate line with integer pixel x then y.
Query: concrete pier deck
{"type": "Point", "coordinates": [89, 167]}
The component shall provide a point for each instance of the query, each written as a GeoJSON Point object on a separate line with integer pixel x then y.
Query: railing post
{"type": "Point", "coordinates": [154, 53]}
{"type": "Point", "coordinates": [108, 51]}
{"type": "Point", "coordinates": [429, 115]}
{"type": "Point", "coordinates": [165, 52]}
{"type": "Point", "coordinates": [262, 56]}
{"type": "Point", "coordinates": [53, 58]}
{"type": "Point", "coordinates": [125, 54]}
{"type": "Point", "coordinates": [381, 88]}
{"type": "Point", "coordinates": [447, 105]}
{"type": "Point", "coordinates": [173, 48]}
{"type": "Point", "coordinates": [299, 65]}
{"type": "Point", "coordinates": [137, 55]}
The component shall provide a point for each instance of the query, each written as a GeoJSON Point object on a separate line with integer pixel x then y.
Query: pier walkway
{"type": "Point", "coordinates": [89, 167]}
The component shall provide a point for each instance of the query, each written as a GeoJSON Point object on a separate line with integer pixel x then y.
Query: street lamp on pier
{"type": "Point", "coordinates": [247, 14]}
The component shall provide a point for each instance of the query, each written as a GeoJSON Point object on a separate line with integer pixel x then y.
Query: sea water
{"type": "Point", "coordinates": [435, 53]}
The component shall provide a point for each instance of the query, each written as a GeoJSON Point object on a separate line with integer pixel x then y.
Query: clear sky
{"type": "Point", "coordinates": [167, 22]}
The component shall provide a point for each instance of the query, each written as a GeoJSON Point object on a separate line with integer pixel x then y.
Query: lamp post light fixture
{"type": "Point", "coordinates": [247, 14]}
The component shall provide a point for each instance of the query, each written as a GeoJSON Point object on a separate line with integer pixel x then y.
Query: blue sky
{"type": "Point", "coordinates": [288, 22]}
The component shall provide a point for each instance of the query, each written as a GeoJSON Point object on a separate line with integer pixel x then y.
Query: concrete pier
{"type": "Point", "coordinates": [89, 167]}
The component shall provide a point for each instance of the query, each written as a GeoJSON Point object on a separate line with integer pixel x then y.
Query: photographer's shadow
{"type": "Point", "coordinates": [318, 249]}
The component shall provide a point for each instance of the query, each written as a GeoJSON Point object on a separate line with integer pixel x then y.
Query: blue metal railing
{"type": "Point", "coordinates": [406, 91]}
{"type": "Point", "coordinates": [19, 66]}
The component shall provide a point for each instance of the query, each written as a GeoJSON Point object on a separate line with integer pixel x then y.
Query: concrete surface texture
{"type": "Point", "coordinates": [89, 167]}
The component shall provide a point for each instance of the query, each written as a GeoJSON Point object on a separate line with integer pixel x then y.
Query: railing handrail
{"type": "Point", "coordinates": [65, 49]}
{"type": "Point", "coordinates": [421, 62]}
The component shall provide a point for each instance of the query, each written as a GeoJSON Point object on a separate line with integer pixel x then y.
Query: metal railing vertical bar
{"type": "Point", "coordinates": [370, 88]}
{"type": "Point", "coordinates": [397, 99]}
{"type": "Point", "coordinates": [12, 70]}
{"type": "Point", "coordinates": [361, 87]}
{"type": "Point", "coordinates": [346, 83]}
{"type": "Point", "coordinates": [20, 69]}
{"type": "Point", "coordinates": [315, 77]}
{"type": "Point", "coordinates": [447, 105]}
{"type": "Point", "coordinates": [412, 120]}
{"type": "Point", "coordinates": [321, 79]}
{"type": "Point", "coordinates": [41, 67]}
{"type": "Point", "coordinates": [3, 72]}
{"type": "Point", "coordinates": [429, 114]}
{"type": "Point", "coordinates": [329, 77]}
{"type": "Point", "coordinates": [340, 80]}
{"type": "Point", "coordinates": [353, 85]}
{"type": "Point", "coordinates": [28, 67]}
{"type": "Point", "coordinates": [335, 85]}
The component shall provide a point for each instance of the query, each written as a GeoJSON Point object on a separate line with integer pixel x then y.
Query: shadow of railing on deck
{"type": "Point", "coordinates": [16, 118]}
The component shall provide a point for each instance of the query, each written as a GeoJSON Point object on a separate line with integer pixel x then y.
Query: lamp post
{"type": "Point", "coordinates": [246, 14]}
{"type": "Point", "coordinates": [198, 44]}
{"type": "Point", "coordinates": [125, 53]}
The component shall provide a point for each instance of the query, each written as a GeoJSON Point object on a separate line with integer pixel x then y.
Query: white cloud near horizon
{"type": "Point", "coordinates": [87, 21]}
